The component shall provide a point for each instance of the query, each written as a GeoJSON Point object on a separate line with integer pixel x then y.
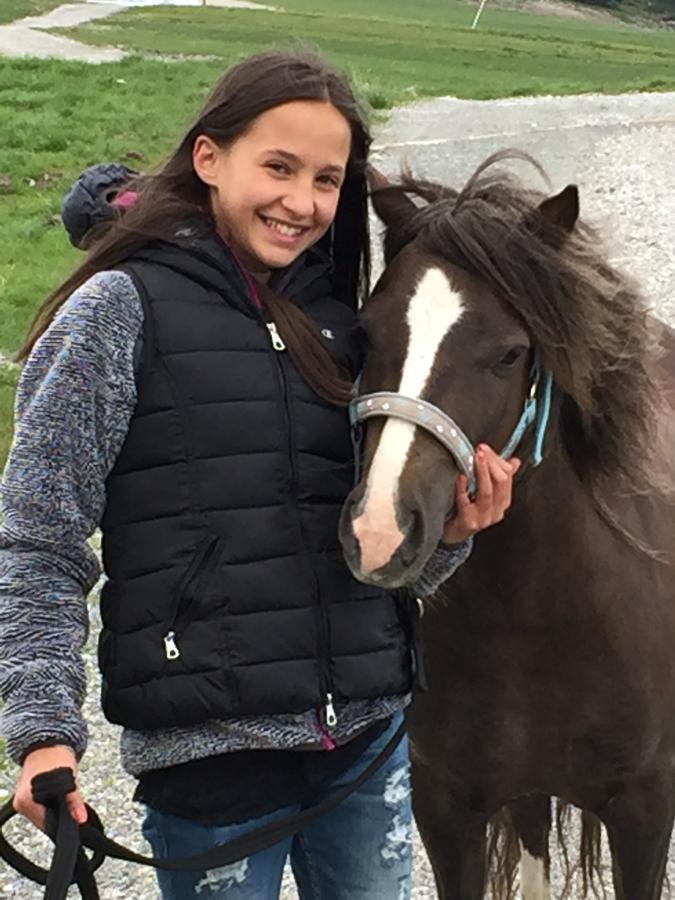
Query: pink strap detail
{"type": "Point", "coordinates": [125, 199]}
{"type": "Point", "coordinates": [327, 739]}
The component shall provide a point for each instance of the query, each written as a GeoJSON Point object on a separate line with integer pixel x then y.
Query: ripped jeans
{"type": "Point", "coordinates": [361, 850]}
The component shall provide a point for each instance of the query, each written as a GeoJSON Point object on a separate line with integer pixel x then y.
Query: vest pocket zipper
{"type": "Point", "coordinates": [170, 645]}
{"type": "Point", "coordinates": [185, 592]}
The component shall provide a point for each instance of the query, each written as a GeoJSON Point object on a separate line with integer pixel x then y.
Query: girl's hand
{"type": "Point", "coordinates": [44, 760]}
{"type": "Point", "coordinates": [494, 476]}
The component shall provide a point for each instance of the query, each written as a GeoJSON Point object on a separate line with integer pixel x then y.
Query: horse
{"type": "Point", "coordinates": [550, 660]}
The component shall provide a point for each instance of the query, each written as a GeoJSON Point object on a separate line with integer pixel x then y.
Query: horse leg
{"type": "Point", "coordinates": [639, 822]}
{"type": "Point", "coordinates": [531, 817]}
{"type": "Point", "coordinates": [454, 837]}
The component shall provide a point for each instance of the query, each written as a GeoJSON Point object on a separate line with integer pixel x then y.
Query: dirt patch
{"type": "Point", "coordinates": [558, 8]}
{"type": "Point", "coordinates": [566, 10]}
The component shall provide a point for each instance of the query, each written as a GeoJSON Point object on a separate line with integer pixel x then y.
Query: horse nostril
{"type": "Point", "coordinates": [407, 552]}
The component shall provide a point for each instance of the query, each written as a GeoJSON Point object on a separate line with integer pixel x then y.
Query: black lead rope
{"type": "Point", "coordinates": [70, 865]}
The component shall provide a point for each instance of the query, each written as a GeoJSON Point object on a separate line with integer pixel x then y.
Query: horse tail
{"type": "Point", "coordinates": [591, 855]}
{"type": "Point", "coordinates": [503, 856]}
{"type": "Point", "coordinates": [572, 823]}
{"type": "Point", "coordinates": [580, 867]}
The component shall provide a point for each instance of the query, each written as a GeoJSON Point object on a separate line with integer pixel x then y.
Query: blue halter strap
{"type": "Point", "coordinates": [537, 411]}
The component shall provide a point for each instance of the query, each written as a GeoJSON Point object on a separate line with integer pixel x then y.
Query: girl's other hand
{"type": "Point", "coordinates": [44, 760]}
{"type": "Point", "coordinates": [494, 477]}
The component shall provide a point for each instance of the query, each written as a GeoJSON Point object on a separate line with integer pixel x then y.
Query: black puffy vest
{"type": "Point", "coordinates": [227, 594]}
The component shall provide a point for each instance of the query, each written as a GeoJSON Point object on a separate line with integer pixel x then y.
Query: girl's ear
{"type": "Point", "coordinates": [205, 157]}
{"type": "Point", "coordinates": [391, 205]}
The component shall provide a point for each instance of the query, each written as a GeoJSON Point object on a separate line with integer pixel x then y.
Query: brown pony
{"type": "Point", "coordinates": [550, 654]}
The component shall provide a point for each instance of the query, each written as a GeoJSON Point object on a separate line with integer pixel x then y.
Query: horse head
{"type": "Point", "coordinates": [481, 299]}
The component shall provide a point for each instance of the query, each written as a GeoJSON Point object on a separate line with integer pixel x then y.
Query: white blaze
{"type": "Point", "coordinates": [433, 310]}
{"type": "Point", "coordinates": [533, 882]}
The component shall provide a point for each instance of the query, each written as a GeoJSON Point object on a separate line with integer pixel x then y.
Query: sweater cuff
{"type": "Point", "coordinates": [442, 564]}
{"type": "Point", "coordinates": [26, 726]}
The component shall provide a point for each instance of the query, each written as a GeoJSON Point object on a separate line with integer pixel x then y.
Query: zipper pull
{"type": "Point", "coordinates": [277, 341]}
{"type": "Point", "coordinates": [331, 718]}
{"type": "Point", "coordinates": [170, 646]}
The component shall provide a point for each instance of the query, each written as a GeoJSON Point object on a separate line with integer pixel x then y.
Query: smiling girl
{"type": "Point", "coordinates": [184, 390]}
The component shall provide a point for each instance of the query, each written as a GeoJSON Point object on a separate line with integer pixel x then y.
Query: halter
{"type": "Point", "coordinates": [536, 410]}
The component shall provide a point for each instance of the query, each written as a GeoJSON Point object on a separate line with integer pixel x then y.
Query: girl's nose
{"type": "Point", "coordinates": [300, 201]}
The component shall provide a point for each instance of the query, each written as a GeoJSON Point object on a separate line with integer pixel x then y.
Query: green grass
{"type": "Point", "coordinates": [8, 379]}
{"type": "Point", "coordinates": [435, 53]}
{"type": "Point", "coordinates": [19, 9]}
{"type": "Point", "coordinates": [63, 117]}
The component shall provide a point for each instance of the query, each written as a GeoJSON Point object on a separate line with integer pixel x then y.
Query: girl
{"type": "Point", "coordinates": [185, 390]}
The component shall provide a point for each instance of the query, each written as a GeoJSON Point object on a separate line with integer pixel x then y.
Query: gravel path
{"type": "Point", "coordinates": [619, 151]}
{"type": "Point", "coordinates": [27, 37]}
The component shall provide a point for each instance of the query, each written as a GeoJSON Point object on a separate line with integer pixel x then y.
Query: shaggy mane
{"type": "Point", "coordinates": [587, 319]}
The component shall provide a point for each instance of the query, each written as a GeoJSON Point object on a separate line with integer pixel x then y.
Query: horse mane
{"type": "Point", "coordinates": [587, 319]}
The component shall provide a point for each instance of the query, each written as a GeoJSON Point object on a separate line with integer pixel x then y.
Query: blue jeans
{"type": "Point", "coordinates": [361, 850]}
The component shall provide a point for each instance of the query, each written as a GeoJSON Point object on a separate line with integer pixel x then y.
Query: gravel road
{"type": "Point", "coordinates": [29, 37]}
{"type": "Point", "coordinates": [619, 151]}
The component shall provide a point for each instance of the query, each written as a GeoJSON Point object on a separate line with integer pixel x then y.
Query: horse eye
{"type": "Point", "coordinates": [511, 357]}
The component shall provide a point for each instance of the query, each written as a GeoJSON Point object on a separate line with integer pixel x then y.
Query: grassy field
{"type": "Point", "coordinates": [19, 9]}
{"type": "Point", "coordinates": [395, 56]}
{"type": "Point", "coordinates": [8, 377]}
{"type": "Point", "coordinates": [60, 117]}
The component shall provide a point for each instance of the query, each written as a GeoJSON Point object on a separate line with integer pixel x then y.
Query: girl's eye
{"type": "Point", "coordinates": [331, 180]}
{"type": "Point", "coordinates": [278, 167]}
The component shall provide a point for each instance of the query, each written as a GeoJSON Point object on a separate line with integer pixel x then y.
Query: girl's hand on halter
{"type": "Point", "coordinates": [493, 496]}
{"type": "Point", "coordinates": [44, 760]}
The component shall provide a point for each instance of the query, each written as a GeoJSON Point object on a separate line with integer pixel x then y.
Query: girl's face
{"type": "Point", "coordinates": [275, 189]}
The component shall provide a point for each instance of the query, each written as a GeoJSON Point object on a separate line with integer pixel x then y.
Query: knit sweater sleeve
{"type": "Point", "coordinates": [442, 564]}
{"type": "Point", "coordinates": [74, 403]}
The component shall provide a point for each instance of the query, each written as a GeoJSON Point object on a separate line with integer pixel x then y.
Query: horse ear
{"type": "Point", "coordinates": [562, 210]}
{"type": "Point", "coordinates": [389, 202]}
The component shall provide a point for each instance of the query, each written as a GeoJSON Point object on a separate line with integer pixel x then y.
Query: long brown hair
{"type": "Point", "coordinates": [176, 194]}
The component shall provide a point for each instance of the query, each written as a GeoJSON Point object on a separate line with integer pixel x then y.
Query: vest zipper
{"type": "Point", "coordinates": [277, 341]}
{"type": "Point", "coordinates": [182, 603]}
{"type": "Point", "coordinates": [328, 712]}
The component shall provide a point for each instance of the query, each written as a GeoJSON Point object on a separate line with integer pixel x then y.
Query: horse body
{"type": "Point", "coordinates": [554, 661]}
{"type": "Point", "coordinates": [549, 654]}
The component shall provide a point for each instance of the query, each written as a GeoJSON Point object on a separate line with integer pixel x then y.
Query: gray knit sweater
{"type": "Point", "coordinates": [74, 403]}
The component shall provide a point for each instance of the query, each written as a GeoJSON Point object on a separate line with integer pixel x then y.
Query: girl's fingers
{"type": "Point", "coordinates": [485, 492]}
{"type": "Point", "coordinates": [495, 485]}
{"type": "Point", "coordinates": [462, 499]}
{"type": "Point", "coordinates": [76, 807]}
{"type": "Point", "coordinates": [494, 478]}
{"type": "Point", "coordinates": [494, 459]}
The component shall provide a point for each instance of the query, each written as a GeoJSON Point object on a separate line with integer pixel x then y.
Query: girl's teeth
{"type": "Point", "coordinates": [286, 230]}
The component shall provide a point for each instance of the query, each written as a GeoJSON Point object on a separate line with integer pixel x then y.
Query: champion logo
{"type": "Point", "coordinates": [327, 333]}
